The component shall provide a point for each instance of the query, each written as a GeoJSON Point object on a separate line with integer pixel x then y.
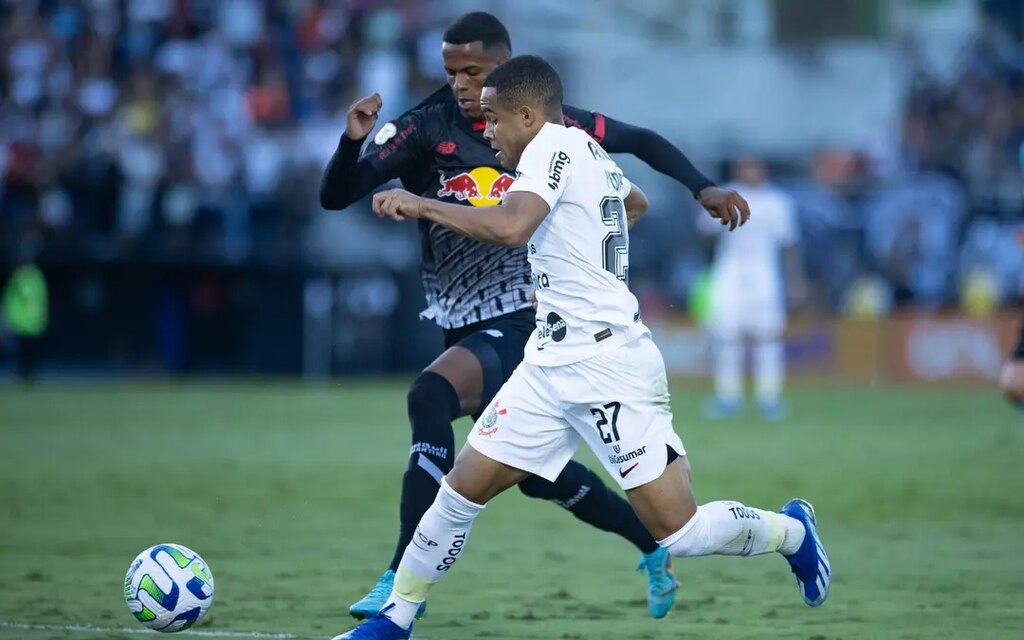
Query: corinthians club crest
{"type": "Point", "coordinates": [489, 421]}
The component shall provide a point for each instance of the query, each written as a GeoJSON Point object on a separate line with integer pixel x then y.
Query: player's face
{"type": "Point", "coordinates": [466, 66]}
{"type": "Point", "coordinates": [508, 131]}
{"type": "Point", "coordinates": [749, 171]}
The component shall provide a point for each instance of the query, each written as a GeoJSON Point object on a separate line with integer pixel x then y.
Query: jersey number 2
{"type": "Point", "coordinates": [616, 243]}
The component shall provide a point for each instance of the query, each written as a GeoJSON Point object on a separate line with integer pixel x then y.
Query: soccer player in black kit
{"type": "Point", "coordinates": [480, 294]}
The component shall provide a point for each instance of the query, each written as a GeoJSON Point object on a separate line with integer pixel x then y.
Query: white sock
{"type": "Point", "coordinates": [730, 529]}
{"type": "Point", "coordinates": [437, 544]}
{"type": "Point", "coordinates": [729, 370]}
{"type": "Point", "coordinates": [769, 369]}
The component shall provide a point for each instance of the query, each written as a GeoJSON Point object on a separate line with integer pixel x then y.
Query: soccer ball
{"type": "Point", "coordinates": [168, 587]}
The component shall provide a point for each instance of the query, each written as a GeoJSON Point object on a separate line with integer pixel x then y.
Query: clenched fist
{"type": "Point", "coordinates": [362, 116]}
{"type": "Point", "coordinates": [397, 204]}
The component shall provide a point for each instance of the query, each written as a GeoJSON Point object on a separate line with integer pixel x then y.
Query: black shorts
{"type": "Point", "coordinates": [498, 343]}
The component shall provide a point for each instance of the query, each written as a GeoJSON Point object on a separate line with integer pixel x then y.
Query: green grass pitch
{"type": "Point", "coordinates": [290, 492]}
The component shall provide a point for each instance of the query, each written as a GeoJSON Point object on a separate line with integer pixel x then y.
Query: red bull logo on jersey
{"type": "Point", "coordinates": [481, 187]}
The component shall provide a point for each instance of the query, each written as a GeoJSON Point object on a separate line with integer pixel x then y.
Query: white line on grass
{"type": "Point", "coordinates": [84, 628]}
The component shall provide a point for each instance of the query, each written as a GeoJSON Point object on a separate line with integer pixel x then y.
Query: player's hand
{"type": "Point", "coordinates": [726, 205]}
{"type": "Point", "coordinates": [533, 301]}
{"type": "Point", "coordinates": [1012, 381]}
{"type": "Point", "coordinates": [397, 204]}
{"type": "Point", "coordinates": [362, 116]}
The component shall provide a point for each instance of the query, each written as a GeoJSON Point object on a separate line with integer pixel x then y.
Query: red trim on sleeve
{"type": "Point", "coordinates": [479, 125]}
{"type": "Point", "coordinates": [598, 127]}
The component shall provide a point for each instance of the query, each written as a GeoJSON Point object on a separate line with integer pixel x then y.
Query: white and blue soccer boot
{"type": "Point", "coordinates": [810, 562]}
{"type": "Point", "coordinates": [378, 627]}
{"type": "Point", "coordinates": [773, 411]}
{"type": "Point", "coordinates": [721, 409]}
{"type": "Point", "coordinates": [378, 596]}
{"type": "Point", "coordinates": [661, 582]}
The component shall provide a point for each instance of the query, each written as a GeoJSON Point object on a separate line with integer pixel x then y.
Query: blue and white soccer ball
{"type": "Point", "coordinates": [168, 587]}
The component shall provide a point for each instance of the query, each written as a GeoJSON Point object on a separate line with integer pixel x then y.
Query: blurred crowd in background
{"type": "Point", "coordinates": [181, 130]}
{"type": "Point", "coordinates": [195, 132]}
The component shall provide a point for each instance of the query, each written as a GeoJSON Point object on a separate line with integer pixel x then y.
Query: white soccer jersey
{"type": "Point", "coordinates": [752, 253]}
{"type": "Point", "coordinates": [579, 254]}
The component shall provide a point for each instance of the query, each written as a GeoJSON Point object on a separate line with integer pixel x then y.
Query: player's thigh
{"type": "Point", "coordinates": [498, 350]}
{"type": "Point", "coordinates": [619, 404]}
{"type": "Point", "coordinates": [765, 319]}
{"type": "Point", "coordinates": [523, 427]}
{"type": "Point", "coordinates": [725, 318]}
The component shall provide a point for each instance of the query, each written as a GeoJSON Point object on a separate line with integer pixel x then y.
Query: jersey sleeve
{"type": "Point", "coordinates": [399, 145]}
{"type": "Point", "coordinates": [592, 122]}
{"type": "Point", "coordinates": [544, 168]}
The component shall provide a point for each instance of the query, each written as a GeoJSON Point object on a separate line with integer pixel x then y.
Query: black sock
{"type": "Point", "coordinates": [433, 405]}
{"type": "Point", "coordinates": [582, 492]}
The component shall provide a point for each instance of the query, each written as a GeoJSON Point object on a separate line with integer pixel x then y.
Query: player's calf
{"type": "Point", "coordinates": [733, 529]}
{"type": "Point", "coordinates": [440, 539]}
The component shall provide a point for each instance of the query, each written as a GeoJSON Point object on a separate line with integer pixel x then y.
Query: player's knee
{"type": "Point", "coordinates": [1011, 382]}
{"type": "Point", "coordinates": [689, 539]}
{"type": "Point", "coordinates": [537, 487]}
{"type": "Point", "coordinates": [466, 487]}
{"type": "Point", "coordinates": [431, 393]}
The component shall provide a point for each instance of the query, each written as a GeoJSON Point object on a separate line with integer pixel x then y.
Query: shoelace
{"type": "Point", "coordinates": [657, 579]}
{"type": "Point", "coordinates": [381, 589]}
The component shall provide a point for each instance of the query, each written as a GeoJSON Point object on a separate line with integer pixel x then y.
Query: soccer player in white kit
{"type": "Point", "coordinates": [747, 292]}
{"type": "Point", "coordinates": [591, 371]}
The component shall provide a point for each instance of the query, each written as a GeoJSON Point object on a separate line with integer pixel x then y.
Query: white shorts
{"type": "Point", "coordinates": [617, 402]}
{"type": "Point", "coordinates": [736, 314]}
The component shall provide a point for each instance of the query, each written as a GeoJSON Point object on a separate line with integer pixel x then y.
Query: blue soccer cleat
{"type": "Point", "coordinates": [810, 562]}
{"type": "Point", "coordinates": [721, 409]}
{"type": "Point", "coordinates": [773, 411]}
{"type": "Point", "coordinates": [661, 582]}
{"type": "Point", "coordinates": [379, 627]}
{"type": "Point", "coordinates": [372, 602]}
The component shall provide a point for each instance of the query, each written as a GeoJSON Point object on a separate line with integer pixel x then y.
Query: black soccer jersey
{"type": "Point", "coordinates": [438, 153]}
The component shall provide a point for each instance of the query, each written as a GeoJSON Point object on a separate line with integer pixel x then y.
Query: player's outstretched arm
{"type": "Point", "coordinates": [349, 178]}
{"type": "Point", "coordinates": [661, 155]}
{"type": "Point", "coordinates": [509, 224]}
{"type": "Point", "coordinates": [636, 204]}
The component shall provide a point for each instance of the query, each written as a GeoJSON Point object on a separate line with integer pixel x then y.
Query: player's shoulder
{"type": "Point", "coordinates": [417, 126]}
{"type": "Point", "coordinates": [554, 142]}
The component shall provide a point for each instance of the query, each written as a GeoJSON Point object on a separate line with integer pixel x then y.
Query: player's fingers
{"type": "Point", "coordinates": [744, 208]}
{"type": "Point", "coordinates": [379, 200]}
{"type": "Point", "coordinates": [728, 216]}
{"type": "Point", "coordinates": [719, 212]}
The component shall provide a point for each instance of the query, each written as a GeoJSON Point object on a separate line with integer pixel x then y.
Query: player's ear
{"type": "Point", "coordinates": [528, 116]}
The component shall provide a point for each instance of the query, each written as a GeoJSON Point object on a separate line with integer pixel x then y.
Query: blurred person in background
{"type": "Point", "coordinates": [25, 312]}
{"type": "Point", "coordinates": [747, 293]}
{"type": "Point", "coordinates": [1012, 379]}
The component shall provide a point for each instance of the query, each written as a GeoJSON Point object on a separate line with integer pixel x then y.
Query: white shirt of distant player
{"type": "Point", "coordinates": [579, 254]}
{"type": "Point", "coordinates": [747, 261]}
